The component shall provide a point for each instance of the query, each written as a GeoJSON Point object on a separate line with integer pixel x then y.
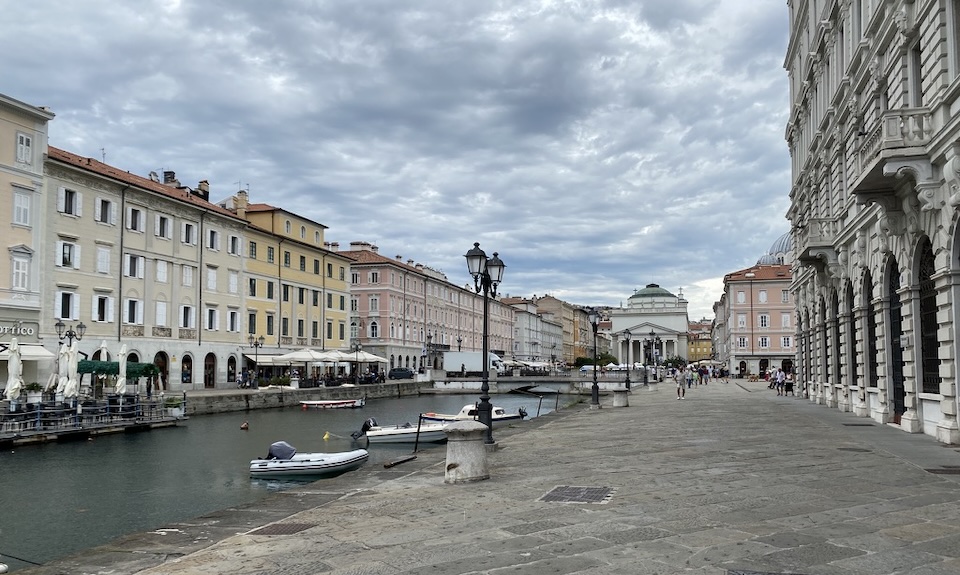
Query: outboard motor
{"type": "Point", "coordinates": [370, 422]}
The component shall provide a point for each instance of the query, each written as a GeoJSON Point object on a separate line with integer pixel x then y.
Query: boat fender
{"type": "Point", "coordinates": [523, 413]}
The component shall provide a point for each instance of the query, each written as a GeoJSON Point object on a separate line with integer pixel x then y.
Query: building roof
{"type": "Point", "coordinates": [182, 194]}
{"type": "Point", "coordinates": [652, 290]}
{"type": "Point", "coordinates": [761, 273]}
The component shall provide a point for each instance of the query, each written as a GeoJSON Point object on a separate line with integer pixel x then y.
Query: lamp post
{"type": "Point", "coordinates": [627, 334]}
{"type": "Point", "coordinates": [594, 317]}
{"type": "Point", "coordinates": [653, 341]}
{"type": "Point", "coordinates": [487, 274]}
{"type": "Point", "coordinates": [68, 333]}
{"type": "Point", "coordinates": [256, 343]}
{"type": "Point", "coordinates": [357, 347]}
{"type": "Point", "coordinates": [459, 343]}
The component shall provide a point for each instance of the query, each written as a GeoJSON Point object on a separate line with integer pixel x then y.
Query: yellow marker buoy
{"type": "Point", "coordinates": [326, 436]}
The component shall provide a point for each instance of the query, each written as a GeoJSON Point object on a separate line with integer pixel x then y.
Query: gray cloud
{"type": "Point", "coordinates": [598, 145]}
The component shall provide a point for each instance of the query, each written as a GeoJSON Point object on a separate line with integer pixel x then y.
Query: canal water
{"type": "Point", "coordinates": [59, 498]}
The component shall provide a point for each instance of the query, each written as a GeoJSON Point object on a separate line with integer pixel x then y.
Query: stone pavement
{"type": "Point", "coordinates": [732, 479]}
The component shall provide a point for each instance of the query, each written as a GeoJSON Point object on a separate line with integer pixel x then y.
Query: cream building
{"type": "Point", "coordinates": [873, 134]}
{"type": "Point", "coordinates": [23, 141]}
{"type": "Point", "coordinates": [149, 264]}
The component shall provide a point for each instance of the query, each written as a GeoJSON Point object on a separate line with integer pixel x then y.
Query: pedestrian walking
{"type": "Point", "coordinates": [678, 377]}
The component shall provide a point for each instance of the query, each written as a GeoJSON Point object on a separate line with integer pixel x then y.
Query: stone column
{"type": "Point", "coordinates": [860, 400]}
{"type": "Point", "coordinates": [948, 428]}
{"type": "Point", "coordinates": [881, 412]}
{"type": "Point", "coordinates": [910, 314]}
{"type": "Point", "coordinates": [844, 378]}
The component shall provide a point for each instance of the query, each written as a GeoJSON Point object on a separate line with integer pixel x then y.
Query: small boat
{"type": "Point", "coordinates": [334, 403]}
{"type": "Point", "coordinates": [284, 461]}
{"type": "Point", "coordinates": [469, 412]}
{"type": "Point", "coordinates": [404, 433]}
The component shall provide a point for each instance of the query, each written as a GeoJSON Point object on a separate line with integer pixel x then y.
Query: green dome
{"type": "Point", "coordinates": [652, 290]}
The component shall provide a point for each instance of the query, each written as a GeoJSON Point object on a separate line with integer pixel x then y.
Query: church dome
{"type": "Point", "coordinates": [781, 252]}
{"type": "Point", "coordinates": [652, 290]}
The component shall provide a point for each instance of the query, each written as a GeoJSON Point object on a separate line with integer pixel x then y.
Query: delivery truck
{"type": "Point", "coordinates": [470, 362]}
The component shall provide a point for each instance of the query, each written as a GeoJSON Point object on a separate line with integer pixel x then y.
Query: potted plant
{"type": "Point", "coordinates": [173, 406]}
{"type": "Point", "coordinates": [34, 392]}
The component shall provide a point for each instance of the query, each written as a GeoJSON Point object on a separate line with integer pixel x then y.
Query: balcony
{"type": "Point", "coordinates": [816, 235]}
{"type": "Point", "coordinates": [895, 146]}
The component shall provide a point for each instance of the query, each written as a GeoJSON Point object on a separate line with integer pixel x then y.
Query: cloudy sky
{"type": "Point", "coordinates": [597, 145]}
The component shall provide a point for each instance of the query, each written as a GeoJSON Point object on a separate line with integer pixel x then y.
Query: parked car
{"type": "Point", "coordinates": [400, 373]}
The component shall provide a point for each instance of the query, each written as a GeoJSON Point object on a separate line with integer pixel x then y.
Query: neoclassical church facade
{"type": "Point", "coordinates": [874, 137]}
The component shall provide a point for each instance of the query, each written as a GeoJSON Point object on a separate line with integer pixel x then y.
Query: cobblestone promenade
{"type": "Point", "coordinates": [732, 479]}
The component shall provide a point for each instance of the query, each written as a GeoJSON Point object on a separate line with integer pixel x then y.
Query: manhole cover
{"type": "Point", "coordinates": [856, 449]}
{"type": "Point", "coordinates": [950, 471]}
{"type": "Point", "coordinates": [574, 494]}
{"type": "Point", "coordinates": [858, 424]}
{"type": "Point", "coordinates": [282, 528]}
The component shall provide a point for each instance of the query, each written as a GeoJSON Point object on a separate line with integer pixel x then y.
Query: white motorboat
{"type": "Point", "coordinates": [499, 415]}
{"type": "Point", "coordinates": [334, 403]}
{"type": "Point", "coordinates": [284, 461]}
{"type": "Point", "coordinates": [405, 433]}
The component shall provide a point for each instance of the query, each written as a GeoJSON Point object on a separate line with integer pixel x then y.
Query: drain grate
{"type": "Point", "coordinates": [574, 494]}
{"type": "Point", "coordinates": [855, 449]}
{"type": "Point", "coordinates": [283, 528]}
{"type": "Point", "coordinates": [947, 471]}
{"type": "Point", "coordinates": [858, 424]}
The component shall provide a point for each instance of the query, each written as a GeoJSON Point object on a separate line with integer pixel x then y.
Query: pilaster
{"type": "Point", "coordinates": [909, 313]}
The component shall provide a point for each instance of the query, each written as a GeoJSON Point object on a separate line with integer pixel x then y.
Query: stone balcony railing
{"type": "Point", "coordinates": [901, 128]}
{"type": "Point", "coordinates": [816, 233]}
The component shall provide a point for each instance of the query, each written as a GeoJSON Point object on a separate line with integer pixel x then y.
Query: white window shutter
{"type": "Point", "coordinates": [139, 312]}
{"type": "Point", "coordinates": [96, 208]}
{"type": "Point", "coordinates": [160, 317]}
{"type": "Point", "coordinates": [183, 232]}
{"type": "Point", "coordinates": [216, 320]}
{"type": "Point", "coordinates": [216, 242]}
{"type": "Point", "coordinates": [110, 309]}
{"type": "Point", "coordinates": [156, 224]}
{"type": "Point", "coordinates": [57, 306]}
{"type": "Point", "coordinates": [75, 312]}
{"type": "Point", "coordinates": [129, 222]}
{"type": "Point", "coordinates": [61, 199]}
{"type": "Point", "coordinates": [113, 213]}
{"type": "Point", "coordinates": [59, 261]}
{"type": "Point", "coordinates": [141, 264]}
{"type": "Point", "coordinates": [79, 211]}
{"type": "Point", "coordinates": [94, 307]}
{"type": "Point", "coordinates": [76, 256]}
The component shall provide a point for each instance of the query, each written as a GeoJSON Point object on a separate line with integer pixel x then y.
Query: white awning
{"type": "Point", "coordinates": [269, 360]}
{"type": "Point", "coordinates": [30, 352]}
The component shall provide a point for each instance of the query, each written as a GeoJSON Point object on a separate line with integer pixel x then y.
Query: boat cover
{"type": "Point", "coordinates": [281, 450]}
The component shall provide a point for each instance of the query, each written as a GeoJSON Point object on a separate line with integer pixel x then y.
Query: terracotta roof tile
{"type": "Point", "coordinates": [761, 273]}
{"type": "Point", "coordinates": [92, 165]}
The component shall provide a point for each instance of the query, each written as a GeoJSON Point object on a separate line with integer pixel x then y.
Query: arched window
{"type": "Point", "coordinates": [374, 329]}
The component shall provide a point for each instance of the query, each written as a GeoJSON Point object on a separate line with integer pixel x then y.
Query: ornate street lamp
{"type": "Point", "coordinates": [256, 343]}
{"type": "Point", "coordinates": [487, 274]}
{"type": "Point", "coordinates": [357, 347]}
{"type": "Point", "coordinates": [69, 334]}
{"type": "Point", "coordinates": [459, 343]}
{"type": "Point", "coordinates": [594, 317]}
{"type": "Point", "coordinates": [627, 334]}
{"type": "Point", "coordinates": [653, 341]}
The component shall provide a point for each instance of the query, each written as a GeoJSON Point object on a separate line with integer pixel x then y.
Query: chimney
{"type": "Point", "coordinates": [203, 190]}
{"type": "Point", "coordinates": [374, 249]}
{"type": "Point", "coordinates": [335, 246]}
{"type": "Point", "coordinates": [399, 258]}
{"type": "Point", "coordinates": [170, 178]}
{"type": "Point", "coordinates": [410, 262]}
{"type": "Point", "coordinates": [241, 203]}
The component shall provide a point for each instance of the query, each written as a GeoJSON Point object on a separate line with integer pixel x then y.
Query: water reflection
{"type": "Point", "coordinates": [58, 499]}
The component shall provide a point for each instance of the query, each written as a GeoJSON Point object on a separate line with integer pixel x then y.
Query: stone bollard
{"type": "Point", "coordinates": [466, 453]}
{"type": "Point", "coordinates": [621, 398]}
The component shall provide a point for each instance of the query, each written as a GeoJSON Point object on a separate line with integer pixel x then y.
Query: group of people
{"type": "Point", "coordinates": [693, 375]}
{"type": "Point", "coordinates": [781, 381]}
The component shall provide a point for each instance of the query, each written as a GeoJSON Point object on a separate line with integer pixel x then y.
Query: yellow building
{"type": "Point", "coordinates": [297, 289]}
